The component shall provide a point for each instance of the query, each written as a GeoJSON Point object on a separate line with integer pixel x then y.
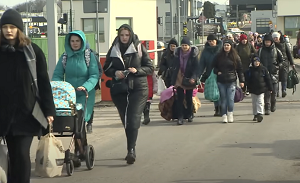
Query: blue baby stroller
{"type": "Point", "coordinates": [69, 122]}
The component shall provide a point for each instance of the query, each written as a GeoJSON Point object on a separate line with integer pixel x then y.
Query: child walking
{"type": "Point", "coordinates": [152, 86]}
{"type": "Point", "coordinates": [258, 81]}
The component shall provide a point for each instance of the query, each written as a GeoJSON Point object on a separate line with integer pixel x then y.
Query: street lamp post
{"type": "Point", "coordinates": [71, 16]}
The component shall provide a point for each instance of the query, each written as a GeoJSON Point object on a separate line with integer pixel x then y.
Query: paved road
{"type": "Point", "coordinates": [205, 151]}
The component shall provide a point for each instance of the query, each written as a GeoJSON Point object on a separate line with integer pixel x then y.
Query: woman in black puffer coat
{"type": "Point", "coordinates": [128, 64]}
{"type": "Point", "coordinates": [18, 95]}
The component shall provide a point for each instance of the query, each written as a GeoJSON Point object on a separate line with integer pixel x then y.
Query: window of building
{"type": "Point", "coordinates": [168, 14]}
{"type": "Point", "coordinates": [291, 22]}
{"type": "Point", "coordinates": [167, 1]}
{"type": "Point", "coordinates": [89, 26]}
{"type": "Point", "coordinates": [121, 21]}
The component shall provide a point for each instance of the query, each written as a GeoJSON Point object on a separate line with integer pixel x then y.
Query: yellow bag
{"type": "Point", "coordinates": [196, 104]}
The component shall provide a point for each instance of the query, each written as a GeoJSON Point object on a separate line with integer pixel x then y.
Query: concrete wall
{"type": "Point", "coordinates": [259, 15]}
{"type": "Point", "coordinates": [288, 7]}
{"type": "Point", "coordinates": [143, 18]}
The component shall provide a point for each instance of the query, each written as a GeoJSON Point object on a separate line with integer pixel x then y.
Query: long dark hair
{"type": "Point", "coordinates": [232, 55]}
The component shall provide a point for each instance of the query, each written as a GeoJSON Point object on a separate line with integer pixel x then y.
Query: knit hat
{"type": "Point", "coordinates": [255, 58]}
{"type": "Point", "coordinates": [275, 34]}
{"type": "Point", "coordinates": [211, 37]}
{"type": "Point", "coordinates": [268, 37]}
{"type": "Point", "coordinates": [186, 40]}
{"type": "Point", "coordinates": [13, 17]}
{"type": "Point", "coordinates": [228, 41]}
{"type": "Point", "coordinates": [243, 37]}
{"type": "Point", "coordinates": [173, 41]}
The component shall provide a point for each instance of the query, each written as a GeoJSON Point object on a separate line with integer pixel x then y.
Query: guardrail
{"type": "Point", "coordinates": [157, 60]}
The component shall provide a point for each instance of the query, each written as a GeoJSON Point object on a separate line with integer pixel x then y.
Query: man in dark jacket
{"type": "Point", "coordinates": [288, 60]}
{"type": "Point", "coordinates": [166, 63]}
{"type": "Point", "coordinates": [212, 47]}
{"type": "Point", "coordinates": [271, 57]}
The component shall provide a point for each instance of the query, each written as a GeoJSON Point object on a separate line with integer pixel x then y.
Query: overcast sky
{"type": "Point", "coordinates": [14, 2]}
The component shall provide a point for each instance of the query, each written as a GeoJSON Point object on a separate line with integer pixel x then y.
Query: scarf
{"type": "Point", "coordinates": [184, 57]}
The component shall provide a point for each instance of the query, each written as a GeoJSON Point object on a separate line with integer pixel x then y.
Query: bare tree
{"type": "Point", "coordinates": [39, 5]}
{"type": "Point", "coordinates": [2, 7]}
{"type": "Point", "coordinates": [21, 7]}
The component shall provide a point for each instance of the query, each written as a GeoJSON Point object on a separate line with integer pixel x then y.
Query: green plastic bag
{"type": "Point", "coordinates": [211, 90]}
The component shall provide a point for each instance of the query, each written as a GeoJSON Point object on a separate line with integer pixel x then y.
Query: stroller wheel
{"type": "Point", "coordinates": [90, 157]}
{"type": "Point", "coordinates": [70, 167]}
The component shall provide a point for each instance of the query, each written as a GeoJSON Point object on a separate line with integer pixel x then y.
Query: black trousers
{"type": "Point", "coordinates": [19, 155]}
{"type": "Point", "coordinates": [130, 108]}
{"type": "Point", "coordinates": [188, 96]}
{"type": "Point", "coordinates": [270, 98]}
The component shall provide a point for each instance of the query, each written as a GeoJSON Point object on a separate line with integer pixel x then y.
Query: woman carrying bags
{"type": "Point", "coordinates": [184, 77]}
{"type": "Point", "coordinates": [18, 95]}
{"type": "Point", "coordinates": [226, 65]}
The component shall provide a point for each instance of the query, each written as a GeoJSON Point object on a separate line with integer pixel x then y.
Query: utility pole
{"type": "Point", "coordinates": [71, 16]}
{"type": "Point", "coordinates": [97, 27]}
{"type": "Point", "coordinates": [172, 22]}
{"type": "Point", "coordinates": [52, 35]}
{"type": "Point", "coordinates": [27, 22]}
{"type": "Point", "coordinates": [179, 21]}
{"type": "Point", "coordinates": [203, 22]}
{"type": "Point", "coordinates": [163, 27]}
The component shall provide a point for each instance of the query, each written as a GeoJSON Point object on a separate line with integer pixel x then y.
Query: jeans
{"type": "Point", "coordinates": [283, 85]}
{"type": "Point", "coordinates": [217, 103]}
{"type": "Point", "coordinates": [227, 92]}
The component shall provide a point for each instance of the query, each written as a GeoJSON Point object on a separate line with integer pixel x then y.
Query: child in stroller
{"type": "Point", "coordinates": [69, 122]}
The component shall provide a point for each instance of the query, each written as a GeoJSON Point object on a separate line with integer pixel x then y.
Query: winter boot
{"type": "Point", "coordinates": [89, 126]}
{"type": "Point", "coordinates": [273, 106]}
{"type": "Point", "coordinates": [267, 109]}
{"type": "Point", "coordinates": [255, 118]}
{"type": "Point", "coordinates": [191, 118]}
{"type": "Point", "coordinates": [131, 156]}
{"type": "Point", "coordinates": [217, 111]}
{"type": "Point", "coordinates": [180, 121]}
{"type": "Point", "coordinates": [146, 114]}
{"type": "Point", "coordinates": [259, 118]}
{"type": "Point", "coordinates": [284, 93]}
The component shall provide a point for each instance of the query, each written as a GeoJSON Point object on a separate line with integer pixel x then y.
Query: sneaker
{"type": "Point", "coordinates": [230, 117]}
{"type": "Point", "coordinates": [224, 118]}
{"type": "Point", "coordinates": [267, 112]}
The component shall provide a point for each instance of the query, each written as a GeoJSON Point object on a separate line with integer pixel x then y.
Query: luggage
{"type": "Point", "coordinates": [239, 95]}
{"type": "Point", "coordinates": [211, 90]}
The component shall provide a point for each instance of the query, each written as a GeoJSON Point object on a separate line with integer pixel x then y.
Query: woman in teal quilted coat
{"type": "Point", "coordinates": [78, 73]}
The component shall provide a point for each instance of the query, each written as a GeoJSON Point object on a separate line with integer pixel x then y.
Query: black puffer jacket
{"type": "Point", "coordinates": [191, 66]}
{"type": "Point", "coordinates": [228, 70]}
{"type": "Point", "coordinates": [288, 60]}
{"type": "Point", "coordinates": [258, 80]}
{"type": "Point", "coordinates": [144, 65]}
{"type": "Point", "coordinates": [166, 63]}
{"type": "Point", "coordinates": [17, 97]}
{"type": "Point", "coordinates": [271, 57]}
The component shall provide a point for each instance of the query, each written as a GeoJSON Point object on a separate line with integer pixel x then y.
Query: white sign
{"type": "Point", "coordinates": [219, 29]}
{"type": "Point", "coordinates": [271, 25]}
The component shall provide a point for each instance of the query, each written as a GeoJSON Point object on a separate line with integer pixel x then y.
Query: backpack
{"type": "Point", "coordinates": [292, 80]}
{"type": "Point", "coordinates": [87, 56]}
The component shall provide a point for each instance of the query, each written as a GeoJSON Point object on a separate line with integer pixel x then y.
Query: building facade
{"type": "Point", "coordinates": [263, 21]}
{"type": "Point", "coordinates": [114, 13]}
{"type": "Point", "coordinates": [288, 17]}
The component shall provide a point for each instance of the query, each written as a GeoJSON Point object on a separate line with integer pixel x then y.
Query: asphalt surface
{"type": "Point", "coordinates": [204, 151]}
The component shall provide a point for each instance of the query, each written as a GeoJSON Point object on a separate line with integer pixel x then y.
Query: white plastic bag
{"type": "Point", "coordinates": [3, 162]}
{"type": "Point", "coordinates": [50, 156]}
{"type": "Point", "coordinates": [161, 86]}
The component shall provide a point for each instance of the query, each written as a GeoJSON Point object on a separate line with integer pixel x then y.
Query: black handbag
{"type": "Point", "coordinates": [186, 82]}
{"type": "Point", "coordinates": [119, 87]}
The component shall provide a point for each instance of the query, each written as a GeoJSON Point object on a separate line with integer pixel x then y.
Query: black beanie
{"type": "Point", "coordinates": [211, 37]}
{"type": "Point", "coordinates": [13, 17]}
{"type": "Point", "coordinates": [186, 40]}
{"type": "Point", "coordinates": [268, 37]}
{"type": "Point", "coordinates": [228, 41]}
{"type": "Point", "coordinates": [173, 41]}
